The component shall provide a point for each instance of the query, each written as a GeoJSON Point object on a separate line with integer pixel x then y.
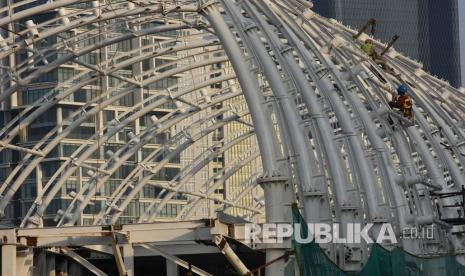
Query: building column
{"type": "Point", "coordinates": [171, 268]}
{"type": "Point", "coordinates": [276, 195]}
{"type": "Point", "coordinates": [75, 269]}
{"type": "Point", "coordinates": [50, 265]}
{"type": "Point", "coordinates": [8, 259]}
{"type": "Point", "coordinates": [63, 268]}
{"type": "Point", "coordinates": [40, 263]}
{"type": "Point", "coordinates": [128, 258]}
{"type": "Point", "coordinates": [25, 262]}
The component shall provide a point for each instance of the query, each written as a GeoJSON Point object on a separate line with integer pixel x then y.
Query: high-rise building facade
{"type": "Point", "coordinates": [58, 80]}
{"type": "Point", "coordinates": [59, 118]}
{"type": "Point", "coordinates": [430, 31]}
{"type": "Point", "coordinates": [461, 9]}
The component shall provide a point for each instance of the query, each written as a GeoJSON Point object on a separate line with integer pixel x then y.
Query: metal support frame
{"type": "Point", "coordinates": [128, 236]}
{"type": "Point", "coordinates": [78, 258]}
{"type": "Point", "coordinates": [224, 247]}
{"type": "Point", "coordinates": [117, 253]}
{"type": "Point", "coordinates": [177, 260]}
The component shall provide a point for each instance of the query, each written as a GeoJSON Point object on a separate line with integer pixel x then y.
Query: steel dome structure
{"type": "Point", "coordinates": [326, 136]}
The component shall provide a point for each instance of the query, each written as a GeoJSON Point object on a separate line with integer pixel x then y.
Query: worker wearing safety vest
{"type": "Point", "coordinates": [402, 101]}
{"type": "Point", "coordinates": [368, 47]}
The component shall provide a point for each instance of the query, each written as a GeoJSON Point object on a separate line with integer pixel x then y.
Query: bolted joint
{"type": "Point", "coordinates": [249, 26]}
{"type": "Point", "coordinates": [266, 180]}
{"type": "Point", "coordinates": [286, 49]}
{"type": "Point", "coordinates": [198, 23]}
{"type": "Point", "coordinates": [204, 4]}
{"type": "Point", "coordinates": [414, 180]}
{"type": "Point", "coordinates": [34, 220]}
{"type": "Point", "coordinates": [352, 253]}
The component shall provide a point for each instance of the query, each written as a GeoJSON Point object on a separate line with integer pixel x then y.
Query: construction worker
{"type": "Point", "coordinates": [368, 47]}
{"type": "Point", "coordinates": [402, 102]}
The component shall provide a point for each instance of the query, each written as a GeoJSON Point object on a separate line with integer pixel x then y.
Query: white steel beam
{"type": "Point", "coordinates": [185, 231]}
{"type": "Point", "coordinates": [78, 258]}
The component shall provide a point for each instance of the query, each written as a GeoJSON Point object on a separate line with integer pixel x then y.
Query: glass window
{"type": "Point", "coordinates": [29, 190]}
{"type": "Point", "coordinates": [57, 204]}
{"type": "Point", "coordinates": [49, 116]}
{"type": "Point", "coordinates": [36, 133]}
{"type": "Point", "coordinates": [65, 74]}
{"type": "Point", "coordinates": [68, 149]}
{"type": "Point", "coordinates": [93, 208]}
{"type": "Point", "coordinates": [150, 191]}
{"type": "Point", "coordinates": [46, 77]}
{"type": "Point", "coordinates": [49, 168]}
{"type": "Point", "coordinates": [70, 186]}
{"type": "Point", "coordinates": [82, 132]}
{"type": "Point", "coordinates": [108, 115]}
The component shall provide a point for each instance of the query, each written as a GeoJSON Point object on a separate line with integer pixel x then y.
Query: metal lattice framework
{"type": "Point", "coordinates": [317, 103]}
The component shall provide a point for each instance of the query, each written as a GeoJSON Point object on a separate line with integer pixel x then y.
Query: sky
{"type": "Point", "coordinates": [462, 38]}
